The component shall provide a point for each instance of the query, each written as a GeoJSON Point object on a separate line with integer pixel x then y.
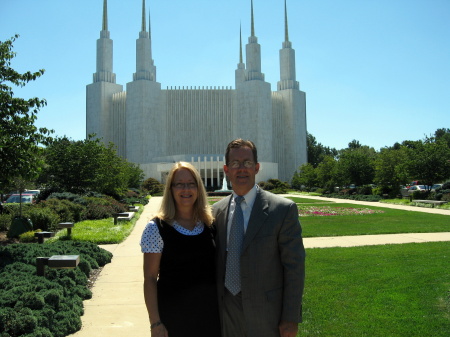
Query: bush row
{"type": "Point", "coordinates": [359, 197]}
{"type": "Point", "coordinates": [62, 207]}
{"type": "Point", "coordinates": [50, 306]}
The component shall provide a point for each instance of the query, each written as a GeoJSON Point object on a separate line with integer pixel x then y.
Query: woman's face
{"type": "Point", "coordinates": [184, 189]}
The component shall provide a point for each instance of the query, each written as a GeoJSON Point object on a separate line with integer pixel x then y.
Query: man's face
{"type": "Point", "coordinates": [241, 169]}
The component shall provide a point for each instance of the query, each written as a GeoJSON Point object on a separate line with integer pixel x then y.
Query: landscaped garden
{"type": "Point", "coordinates": [51, 305]}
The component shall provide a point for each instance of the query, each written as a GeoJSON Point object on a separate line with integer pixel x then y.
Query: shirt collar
{"type": "Point", "coordinates": [250, 197]}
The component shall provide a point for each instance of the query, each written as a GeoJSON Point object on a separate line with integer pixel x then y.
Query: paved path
{"type": "Point", "coordinates": [117, 307]}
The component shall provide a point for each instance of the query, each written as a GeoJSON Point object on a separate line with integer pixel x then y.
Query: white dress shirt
{"type": "Point", "coordinates": [246, 205]}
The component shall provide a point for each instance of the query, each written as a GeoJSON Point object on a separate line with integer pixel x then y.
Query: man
{"type": "Point", "coordinates": [266, 298]}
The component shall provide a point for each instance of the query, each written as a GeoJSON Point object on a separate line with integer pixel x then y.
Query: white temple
{"type": "Point", "coordinates": [154, 127]}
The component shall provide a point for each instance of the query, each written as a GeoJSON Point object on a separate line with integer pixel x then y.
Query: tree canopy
{"type": "Point", "coordinates": [88, 165]}
{"type": "Point", "coordinates": [20, 139]}
{"type": "Point", "coordinates": [425, 160]}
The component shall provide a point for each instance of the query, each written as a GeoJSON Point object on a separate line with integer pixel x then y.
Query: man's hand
{"type": "Point", "coordinates": [288, 329]}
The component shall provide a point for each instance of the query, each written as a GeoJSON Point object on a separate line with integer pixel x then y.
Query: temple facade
{"type": "Point", "coordinates": [155, 127]}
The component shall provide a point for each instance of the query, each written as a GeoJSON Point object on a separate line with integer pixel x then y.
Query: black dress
{"type": "Point", "coordinates": [187, 297]}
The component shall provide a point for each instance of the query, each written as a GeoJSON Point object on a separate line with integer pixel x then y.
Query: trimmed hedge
{"type": "Point", "coordinates": [358, 197]}
{"type": "Point", "coordinates": [50, 306]}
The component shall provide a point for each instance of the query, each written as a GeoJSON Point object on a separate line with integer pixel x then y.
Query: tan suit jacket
{"type": "Point", "coordinates": [272, 263]}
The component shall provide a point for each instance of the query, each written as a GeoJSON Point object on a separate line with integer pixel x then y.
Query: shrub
{"type": "Point", "coordinates": [446, 197]}
{"type": "Point", "coordinates": [365, 190]}
{"type": "Point", "coordinates": [5, 221]}
{"type": "Point", "coordinates": [14, 209]}
{"type": "Point", "coordinates": [27, 237]}
{"type": "Point", "coordinates": [97, 212]}
{"type": "Point", "coordinates": [421, 195]}
{"type": "Point", "coordinates": [371, 198]}
{"type": "Point", "coordinates": [65, 209]}
{"type": "Point", "coordinates": [44, 218]}
{"type": "Point", "coordinates": [78, 199]}
{"type": "Point", "coordinates": [153, 186]}
{"type": "Point", "coordinates": [108, 206]}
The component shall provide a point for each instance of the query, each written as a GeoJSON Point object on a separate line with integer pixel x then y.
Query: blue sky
{"type": "Point", "coordinates": [377, 71]}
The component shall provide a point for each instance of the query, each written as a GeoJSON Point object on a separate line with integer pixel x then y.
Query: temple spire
{"type": "Point", "coordinates": [286, 31]}
{"type": "Point", "coordinates": [143, 26]}
{"type": "Point", "coordinates": [105, 15]}
{"type": "Point", "coordinates": [287, 60]}
{"type": "Point", "coordinates": [253, 21]}
{"type": "Point", "coordinates": [240, 44]}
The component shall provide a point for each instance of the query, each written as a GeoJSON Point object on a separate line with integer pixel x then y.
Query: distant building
{"type": "Point", "coordinates": [155, 127]}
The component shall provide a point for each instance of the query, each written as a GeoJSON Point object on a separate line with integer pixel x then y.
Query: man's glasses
{"type": "Point", "coordinates": [185, 186]}
{"type": "Point", "coordinates": [237, 164]}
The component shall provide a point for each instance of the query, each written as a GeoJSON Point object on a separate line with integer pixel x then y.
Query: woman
{"type": "Point", "coordinates": [179, 273]}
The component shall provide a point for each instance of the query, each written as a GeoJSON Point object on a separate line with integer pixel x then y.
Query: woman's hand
{"type": "Point", "coordinates": [159, 331]}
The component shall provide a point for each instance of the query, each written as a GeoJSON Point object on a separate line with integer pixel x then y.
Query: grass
{"type": "Point", "coordinates": [386, 290]}
{"type": "Point", "coordinates": [392, 221]}
{"type": "Point", "coordinates": [101, 231]}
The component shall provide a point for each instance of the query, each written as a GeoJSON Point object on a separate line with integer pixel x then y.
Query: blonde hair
{"type": "Point", "coordinates": [202, 210]}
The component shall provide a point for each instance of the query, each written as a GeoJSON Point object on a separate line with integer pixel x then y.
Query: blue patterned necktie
{"type": "Point", "coordinates": [233, 267]}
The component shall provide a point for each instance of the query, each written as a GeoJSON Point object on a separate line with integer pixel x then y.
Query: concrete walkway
{"type": "Point", "coordinates": [117, 307]}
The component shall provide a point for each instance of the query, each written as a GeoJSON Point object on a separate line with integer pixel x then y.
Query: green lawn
{"type": "Point", "coordinates": [101, 231]}
{"type": "Point", "coordinates": [386, 290]}
{"type": "Point", "coordinates": [390, 222]}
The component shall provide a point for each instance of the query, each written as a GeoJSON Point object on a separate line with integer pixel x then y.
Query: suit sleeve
{"type": "Point", "coordinates": [292, 253]}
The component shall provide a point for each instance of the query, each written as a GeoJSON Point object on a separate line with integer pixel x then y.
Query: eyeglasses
{"type": "Point", "coordinates": [237, 164]}
{"type": "Point", "coordinates": [185, 186]}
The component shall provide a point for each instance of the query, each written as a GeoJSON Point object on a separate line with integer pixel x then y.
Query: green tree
{"type": "Point", "coordinates": [20, 139]}
{"type": "Point", "coordinates": [391, 169]}
{"type": "Point", "coordinates": [88, 165]}
{"type": "Point", "coordinates": [316, 151]}
{"type": "Point", "coordinates": [326, 173]}
{"type": "Point", "coordinates": [356, 165]}
{"type": "Point", "coordinates": [306, 176]}
{"type": "Point", "coordinates": [430, 162]}
{"type": "Point", "coordinates": [441, 134]}
{"type": "Point", "coordinates": [135, 175]}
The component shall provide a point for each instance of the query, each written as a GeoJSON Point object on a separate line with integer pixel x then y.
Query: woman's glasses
{"type": "Point", "coordinates": [184, 186]}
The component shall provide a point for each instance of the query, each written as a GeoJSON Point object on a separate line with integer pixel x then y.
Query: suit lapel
{"type": "Point", "coordinates": [222, 218]}
{"type": "Point", "coordinates": [257, 218]}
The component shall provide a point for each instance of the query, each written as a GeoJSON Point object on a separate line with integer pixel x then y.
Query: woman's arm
{"type": "Point", "coordinates": [151, 271]}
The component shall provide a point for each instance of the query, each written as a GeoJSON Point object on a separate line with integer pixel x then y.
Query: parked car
{"type": "Point", "coordinates": [415, 188]}
{"type": "Point", "coordinates": [435, 187]}
{"type": "Point", "coordinates": [35, 193]}
{"type": "Point", "coordinates": [15, 198]}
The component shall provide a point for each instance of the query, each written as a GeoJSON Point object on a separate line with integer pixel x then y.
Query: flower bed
{"type": "Point", "coordinates": [329, 211]}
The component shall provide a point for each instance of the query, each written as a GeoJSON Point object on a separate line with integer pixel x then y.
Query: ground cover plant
{"type": "Point", "coordinates": [32, 305]}
{"type": "Point", "coordinates": [386, 290]}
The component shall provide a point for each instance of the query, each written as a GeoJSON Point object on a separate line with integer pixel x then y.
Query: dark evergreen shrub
{"type": "Point", "coordinates": [75, 198]}
{"type": "Point", "coordinates": [102, 208]}
{"type": "Point", "coordinates": [32, 305]}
